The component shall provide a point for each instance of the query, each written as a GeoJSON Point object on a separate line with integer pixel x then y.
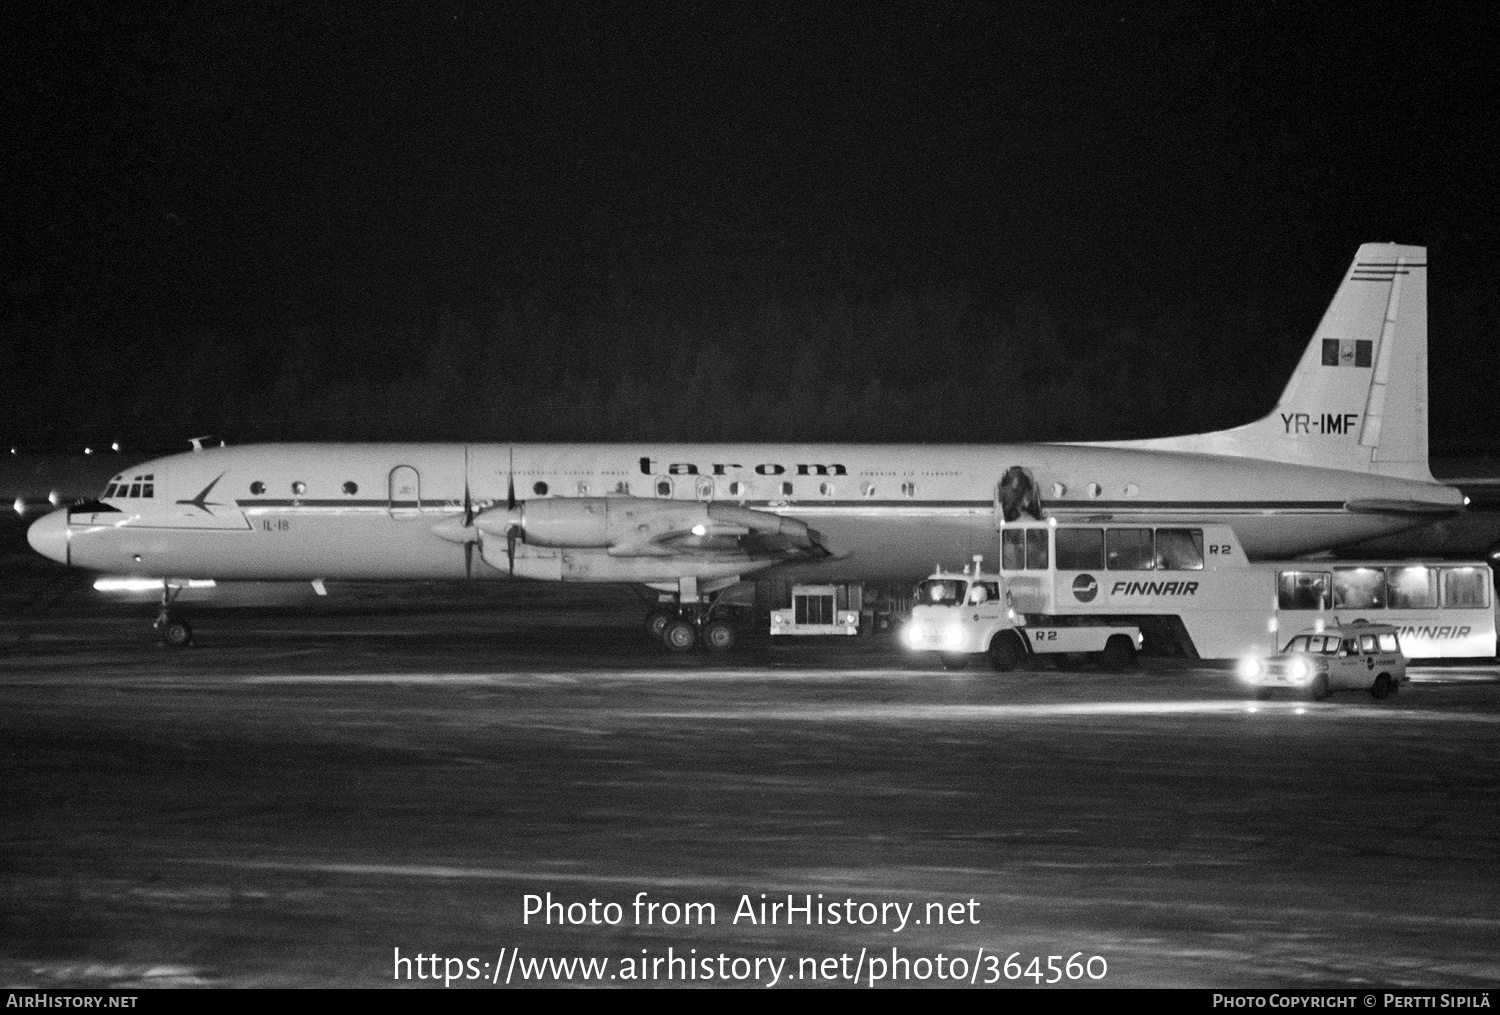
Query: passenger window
{"type": "Point", "coordinates": [1303, 590]}
{"type": "Point", "coordinates": [1036, 549]}
{"type": "Point", "coordinates": [1411, 588]}
{"type": "Point", "coordinates": [1080, 549]}
{"type": "Point", "coordinates": [540, 488]}
{"type": "Point", "coordinates": [786, 489]}
{"type": "Point", "coordinates": [299, 488]}
{"type": "Point", "coordinates": [351, 488]}
{"type": "Point", "coordinates": [908, 489]}
{"type": "Point", "coordinates": [1012, 550]}
{"type": "Point", "coordinates": [257, 488]}
{"type": "Point", "coordinates": [734, 488]}
{"type": "Point", "coordinates": [1367, 644]}
{"type": "Point", "coordinates": [1358, 588]}
{"type": "Point", "coordinates": [1179, 549]}
{"type": "Point", "coordinates": [1466, 587]}
{"type": "Point", "coordinates": [1129, 550]}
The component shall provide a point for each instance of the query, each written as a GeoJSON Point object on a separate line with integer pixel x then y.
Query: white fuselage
{"type": "Point", "coordinates": [374, 511]}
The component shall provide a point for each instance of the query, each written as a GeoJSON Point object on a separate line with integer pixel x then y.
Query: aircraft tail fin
{"type": "Point", "coordinates": [1358, 399]}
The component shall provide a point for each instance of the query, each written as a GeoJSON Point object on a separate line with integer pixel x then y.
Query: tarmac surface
{"type": "Point", "coordinates": [315, 793]}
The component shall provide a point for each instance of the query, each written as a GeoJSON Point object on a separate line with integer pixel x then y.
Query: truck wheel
{"type": "Point", "coordinates": [719, 636]}
{"type": "Point", "coordinates": [1005, 652]}
{"type": "Point", "coordinates": [1319, 689]}
{"type": "Point", "coordinates": [955, 661]}
{"type": "Point", "coordinates": [679, 636]}
{"type": "Point", "coordinates": [1118, 654]}
{"type": "Point", "coordinates": [1381, 688]}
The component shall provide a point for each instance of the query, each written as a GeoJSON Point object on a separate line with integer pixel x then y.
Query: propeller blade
{"type": "Point", "coordinates": [468, 507]}
{"type": "Point", "coordinates": [510, 548]}
{"type": "Point", "coordinates": [510, 486]}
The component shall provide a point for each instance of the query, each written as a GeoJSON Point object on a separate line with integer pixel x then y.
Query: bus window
{"type": "Point", "coordinates": [1036, 549]}
{"type": "Point", "coordinates": [1466, 587]}
{"type": "Point", "coordinates": [1358, 588]}
{"type": "Point", "coordinates": [1179, 549]}
{"type": "Point", "coordinates": [1412, 588]}
{"type": "Point", "coordinates": [1080, 549]}
{"type": "Point", "coordinates": [1303, 590]}
{"type": "Point", "coordinates": [1128, 550]}
{"type": "Point", "coordinates": [1012, 550]}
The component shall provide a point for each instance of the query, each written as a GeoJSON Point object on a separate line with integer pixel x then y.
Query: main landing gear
{"type": "Point", "coordinates": [170, 625]}
{"type": "Point", "coordinates": [680, 627]}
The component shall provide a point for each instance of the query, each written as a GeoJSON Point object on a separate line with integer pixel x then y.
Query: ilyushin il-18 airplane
{"type": "Point", "coordinates": [1342, 457]}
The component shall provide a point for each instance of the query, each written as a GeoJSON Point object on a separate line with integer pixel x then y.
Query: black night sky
{"type": "Point", "coordinates": [781, 222]}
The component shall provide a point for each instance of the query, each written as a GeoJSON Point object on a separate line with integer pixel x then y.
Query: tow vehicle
{"type": "Point", "coordinates": [964, 615]}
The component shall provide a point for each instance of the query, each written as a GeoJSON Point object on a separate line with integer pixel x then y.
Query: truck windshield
{"type": "Point", "coordinates": [941, 592]}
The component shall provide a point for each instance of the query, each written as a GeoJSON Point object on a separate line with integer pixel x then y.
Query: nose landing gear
{"type": "Point", "coordinates": [170, 625]}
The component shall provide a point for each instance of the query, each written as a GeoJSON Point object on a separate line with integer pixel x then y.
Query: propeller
{"type": "Point", "coordinates": [510, 505]}
{"type": "Point", "coordinates": [468, 524]}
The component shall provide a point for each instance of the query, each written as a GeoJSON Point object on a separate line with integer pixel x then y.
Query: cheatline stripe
{"type": "Point", "coordinates": [1074, 507]}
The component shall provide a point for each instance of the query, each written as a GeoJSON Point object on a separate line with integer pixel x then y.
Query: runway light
{"type": "Point", "coordinates": [114, 446]}
{"type": "Point", "coordinates": [88, 451]}
{"type": "Point", "coordinates": [699, 530]}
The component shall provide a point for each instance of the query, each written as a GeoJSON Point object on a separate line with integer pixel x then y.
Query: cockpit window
{"type": "Point", "coordinates": [139, 486]}
{"type": "Point", "coordinates": [941, 592]}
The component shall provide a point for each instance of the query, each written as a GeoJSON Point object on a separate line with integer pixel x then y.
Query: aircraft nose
{"type": "Point", "coordinates": [48, 535]}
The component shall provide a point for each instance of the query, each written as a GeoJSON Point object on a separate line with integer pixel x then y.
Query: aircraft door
{"type": "Point", "coordinates": [405, 492]}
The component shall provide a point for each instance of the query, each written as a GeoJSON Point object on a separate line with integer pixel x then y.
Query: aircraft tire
{"type": "Point", "coordinates": [1118, 653]}
{"type": "Point", "coordinates": [1319, 689]}
{"type": "Point", "coordinates": [1005, 652]}
{"type": "Point", "coordinates": [679, 636]}
{"type": "Point", "coordinates": [176, 632]}
{"type": "Point", "coordinates": [1381, 689]}
{"type": "Point", "coordinates": [657, 620]}
{"type": "Point", "coordinates": [719, 636]}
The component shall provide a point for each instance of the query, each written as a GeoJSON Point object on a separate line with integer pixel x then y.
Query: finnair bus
{"type": "Point", "coordinates": [1192, 591]}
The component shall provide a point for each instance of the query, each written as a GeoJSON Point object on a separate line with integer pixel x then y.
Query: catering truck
{"type": "Point", "coordinates": [969, 614]}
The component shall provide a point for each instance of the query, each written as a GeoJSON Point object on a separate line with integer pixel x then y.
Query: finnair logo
{"type": "Point", "coordinates": [1154, 589]}
{"type": "Point", "coordinates": [1085, 588]}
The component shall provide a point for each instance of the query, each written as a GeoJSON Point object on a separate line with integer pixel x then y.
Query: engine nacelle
{"type": "Point", "coordinates": [572, 565]}
{"type": "Point", "coordinates": [633, 526]}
